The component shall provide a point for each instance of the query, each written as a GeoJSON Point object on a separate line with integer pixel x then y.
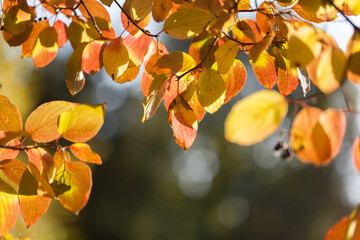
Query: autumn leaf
{"type": "Point", "coordinates": [161, 9]}
{"type": "Point", "coordinates": [225, 56]}
{"type": "Point", "coordinates": [210, 90]}
{"type": "Point", "coordinates": [183, 121]}
{"type": "Point", "coordinates": [45, 48]}
{"type": "Point", "coordinates": [82, 122]}
{"type": "Point", "coordinates": [353, 54]}
{"type": "Point", "coordinates": [137, 47]}
{"type": "Point", "coordinates": [187, 22]}
{"type": "Point", "coordinates": [10, 118]}
{"type": "Point", "coordinates": [9, 207]}
{"type": "Point", "coordinates": [72, 185]}
{"type": "Point", "coordinates": [116, 58]}
{"type": "Point", "coordinates": [178, 62]}
{"type": "Point", "coordinates": [256, 117]}
{"type": "Point", "coordinates": [264, 69]}
{"type": "Point", "coordinates": [32, 206]}
{"type": "Point", "coordinates": [75, 78]}
{"type": "Point", "coordinates": [42, 122]}
{"type": "Point", "coordinates": [156, 93]}
{"type": "Point", "coordinates": [356, 153]}
{"type": "Point", "coordinates": [13, 169]}
{"type": "Point", "coordinates": [316, 135]}
{"type": "Point", "coordinates": [92, 56]}
{"type": "Point", "coordinates": [84, 153]}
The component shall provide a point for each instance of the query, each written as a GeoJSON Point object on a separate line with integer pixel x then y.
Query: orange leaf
{"type": "Point", "coordinates": [9, 153]}
{"type": "Point", "coordinates": [72, 185]}
{"type": "Point", "coordinates": [264, 69]}
{"type": "Point", "coordinates": [183, 121]}
{"type": "Point", "coordinates": [91, 59]}
{"type": "Point", "coordinates": [156, 93]}
{"type": "Point", "coordinates": [82, 122]}
{"type": "Point", "coordinates": [28, 46]}
{"type": "Point", "coordinates": [246, 31]}
{"type": "Point", "coordinates": [9, 207]}
{"type": "Point", "coordinates": [288, 78]}
{"type": "Point", "coordinates": [347, 228]}
{"type": "Point", "coordinates": [137, 47]}
{"type": "Point", "coordinates": [356, 153]}
{"type": "Point", "coordinates": [79, 32]}
{"type": "Point", "coordinates": [42, 122]}
{"type": "Point", "coordinates": [10, 118]}
{"type": "Point", "coordinates": [96, 9]}
{"type": "Point", "coordinates": [44, 163]}
{"type": "Point", "coordinates": [60, 28]}
{"type": "Point", "coordinates": [84, 153]}
{"type": "Point", "coordinates": [234, 79]}
{"type": "Point", "coordinates": [32, 206]}
{"type": "Point", "coordinates": [45, 48]}
{"type": "Point", "coordinates": [161, 9]}
{"type": "Point", "coordinates": [60, 157]}
{"type": "Point", "coordinates": [116, 58]}
{"type": "Point", "coordinates": [13, 170]}
{"type": "Point", "coordinates": [316, 136]}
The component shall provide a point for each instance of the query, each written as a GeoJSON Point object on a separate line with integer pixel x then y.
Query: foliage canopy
{"type": "Point", "coordinates": [282, 45]}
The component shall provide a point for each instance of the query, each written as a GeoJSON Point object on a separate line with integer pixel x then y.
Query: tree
{"type": "Point", "coordinates": [284, 49]}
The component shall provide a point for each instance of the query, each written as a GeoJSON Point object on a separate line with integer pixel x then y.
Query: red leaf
{"type": "Point", "coordinates": [183, 121]}
{"type": "Point", "coordinates": [137, 47]}
{"type": "Point", "coordinates": [91, 60]}
{"type": "Point", "coordinates": [60, 28]}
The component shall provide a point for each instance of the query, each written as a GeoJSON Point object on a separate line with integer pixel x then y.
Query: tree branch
{"type": "Point", "coordinates": [200, 63]}
{"type": "Point", "coordinates": [92, 18]}
{"type": "Point", "coordinates": [343, 14]}
{"type": "Point", "coordinates": [146, 32]}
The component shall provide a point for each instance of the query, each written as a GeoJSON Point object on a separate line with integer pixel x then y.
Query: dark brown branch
{"type": "Point", "coordinates": [92, 18]}
{"type": "Point", "coordinates": [22, 147]}
{"type": "Point", "coordinates": [146, 32]}
{"type": "Point", "coordinates": [343, 14]}
{"type": "Point", "coordinates": [200, 63]}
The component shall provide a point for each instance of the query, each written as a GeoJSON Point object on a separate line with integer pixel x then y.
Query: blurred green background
{"type": "Point", "coordinates": [149, 188]}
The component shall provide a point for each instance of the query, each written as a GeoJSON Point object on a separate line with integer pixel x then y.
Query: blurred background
{"type": "Point", "coordinates": [149, 188]}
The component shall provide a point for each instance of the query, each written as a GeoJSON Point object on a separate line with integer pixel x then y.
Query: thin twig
{"type": "Point", "coordinates": [92, 18]}
{"type": "Point", "coordinates": [343, 14]}
{"type": "Point", "coordinates": [22, 147]}
{"type": "Point", "coordinates": [246, 44]}
{"type": "Point", "coordinates": [146, 32]}
{"type": "Point", "coordinates": [202, 61]}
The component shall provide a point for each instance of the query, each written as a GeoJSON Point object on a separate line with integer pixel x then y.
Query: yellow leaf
{"type": "Point", "coordinates": [177, 61]}
{"type": "Point", "coordinates": [75, 78]}
{"type": "Point", "coordinates": [161, 9]}
{"type": "Point", "coordinates": [225, 56]}
{"type": "Point", "coordinates": [210, 90]}
{"type": "Point", "coordinates": [330, 70]}
{"type": "Point", "coordinates": [116, 58]}
{"type": "Point", "coordinates": [45, 48]}
{"type": "Point", "coordinates": [256, 117]}
{"type": "Point", "coordinates": [72, 185]}
{"type": "Point", "coordinates": [303, 46]}
{"type": "Point", "coordinates": [42, 122]}
{"type": "Point", "coordinates": [9, 207]}
{"type": "Point", "coordinates": [186, 23]}
{"type": "Point", "coordinates": [81, 123]}
{"type": "Point", "coordinates": [354, 6]}
{"type": "Point", "coordinates": [140, 9]}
